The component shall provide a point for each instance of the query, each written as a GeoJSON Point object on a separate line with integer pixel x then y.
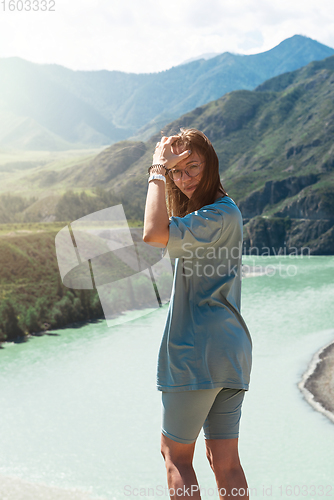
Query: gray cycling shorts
{"type": "Point", "coordinates": [217, 410]}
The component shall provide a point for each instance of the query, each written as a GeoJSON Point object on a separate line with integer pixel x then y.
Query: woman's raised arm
{"type": "Point", "coordinates": [156, 220]}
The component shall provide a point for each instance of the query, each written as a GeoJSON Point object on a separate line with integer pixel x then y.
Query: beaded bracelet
{"type": "Point", "coordinates": [157, 176]}
{"type": "Point", "coordinates": [157, 165]}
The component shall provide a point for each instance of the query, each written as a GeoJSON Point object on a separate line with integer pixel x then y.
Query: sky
{"type": "Point", "coordinates": [145, 36]}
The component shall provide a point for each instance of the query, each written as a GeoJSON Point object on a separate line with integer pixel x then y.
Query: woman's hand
{"type": "Point", "coordinates": [164, 154]}
{"type": "Point", "coordinates": [156, 220]}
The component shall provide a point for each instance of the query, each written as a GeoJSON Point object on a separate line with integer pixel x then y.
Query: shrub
{"type": "Point", "coordinates": [8, 321]}
{"type": "Point", "coordinates": [31, 320]}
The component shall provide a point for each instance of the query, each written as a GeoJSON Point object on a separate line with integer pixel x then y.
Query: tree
{"type": "Point", "coordinates": [9, 322]}
{"type": "Point", "coordinates": [31, 321]}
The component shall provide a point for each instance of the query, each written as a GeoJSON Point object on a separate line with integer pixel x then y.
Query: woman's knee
{"type": "Point", "coordinates": [176, 463]}
{"type": "Point", "coordinates": [222, 468]}
{"type": "Point", "coordinates": [176, 454]}
{"type": "Point", "coordinates": [219, 463]}
{"type": "Point", "coordinates": [223, 455]}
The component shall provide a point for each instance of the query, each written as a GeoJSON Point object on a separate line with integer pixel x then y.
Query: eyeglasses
{"type": "Point", "coordinates": [191, 170]}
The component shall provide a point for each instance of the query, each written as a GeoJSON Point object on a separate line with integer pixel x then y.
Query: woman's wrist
{"type": "Point", "coordinates": [158, 168]}
{"type": "Point", "coordinates": [158, 177]}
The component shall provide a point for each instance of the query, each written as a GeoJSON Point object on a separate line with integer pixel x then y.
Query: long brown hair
{"type": "Point", "coordinates": [178, 204]}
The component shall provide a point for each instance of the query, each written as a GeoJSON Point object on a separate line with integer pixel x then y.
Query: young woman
{"type": "Point", "coordinates": [205, 356]}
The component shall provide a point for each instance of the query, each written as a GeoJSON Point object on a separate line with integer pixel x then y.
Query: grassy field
{"type": "Point", "coordinates": [21, 229]}
{"type": "Point", "coordinates": [25, 171]}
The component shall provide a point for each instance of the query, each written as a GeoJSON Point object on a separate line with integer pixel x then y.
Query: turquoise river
{"type": "Point", "coordinates": [79, 409]}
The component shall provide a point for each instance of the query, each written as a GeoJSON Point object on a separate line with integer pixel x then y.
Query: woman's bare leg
{"type": "Point", "coordinates": [181, 477]}
{"type": "Point", "coordinates": [224, 459]}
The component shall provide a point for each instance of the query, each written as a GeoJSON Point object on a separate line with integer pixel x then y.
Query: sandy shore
{"type": "Point", "coordinates": [317, 384]}
{"type": "Point", "coordinates": [13, 488]}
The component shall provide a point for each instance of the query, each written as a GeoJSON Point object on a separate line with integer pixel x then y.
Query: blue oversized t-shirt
{"type": "Point", "coordinates": [206, 342]}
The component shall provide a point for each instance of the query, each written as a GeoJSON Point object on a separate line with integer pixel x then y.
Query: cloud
{"type": "Point", "coordinates": [251, 40]}
{"type": "Point", "coordinates": [153, 35]}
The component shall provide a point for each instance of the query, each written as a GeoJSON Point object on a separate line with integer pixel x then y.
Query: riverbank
{"type": "Point", "coordinates": [317, 384]}
{"type": "Point", "coordinates": [13, 488]}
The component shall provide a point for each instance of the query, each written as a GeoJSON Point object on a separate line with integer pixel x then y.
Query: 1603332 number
{"type": "Point", "coordinates": [305, 490]}
{"type": "Point", "coordinates": [28, 5]}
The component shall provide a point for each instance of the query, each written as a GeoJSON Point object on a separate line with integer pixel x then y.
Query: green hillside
{"type": "Point", "coordinates": [51, 107]}
{"type": "Point", "coordinates": [275, 146]}
{"type": "Point", "coordinates": [32, 296]}
{"type": "Point", "coordinates": [33, 299]}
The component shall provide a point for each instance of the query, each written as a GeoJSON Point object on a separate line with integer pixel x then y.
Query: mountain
{"type": "Point", "coordinates": [275, 147]}
{"type": "Point", "coordinates": [207, 55]}
{"type": "Point", "coordinates": [49, 106]}
{"type": "Point", "coordinates": [276, 154]}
